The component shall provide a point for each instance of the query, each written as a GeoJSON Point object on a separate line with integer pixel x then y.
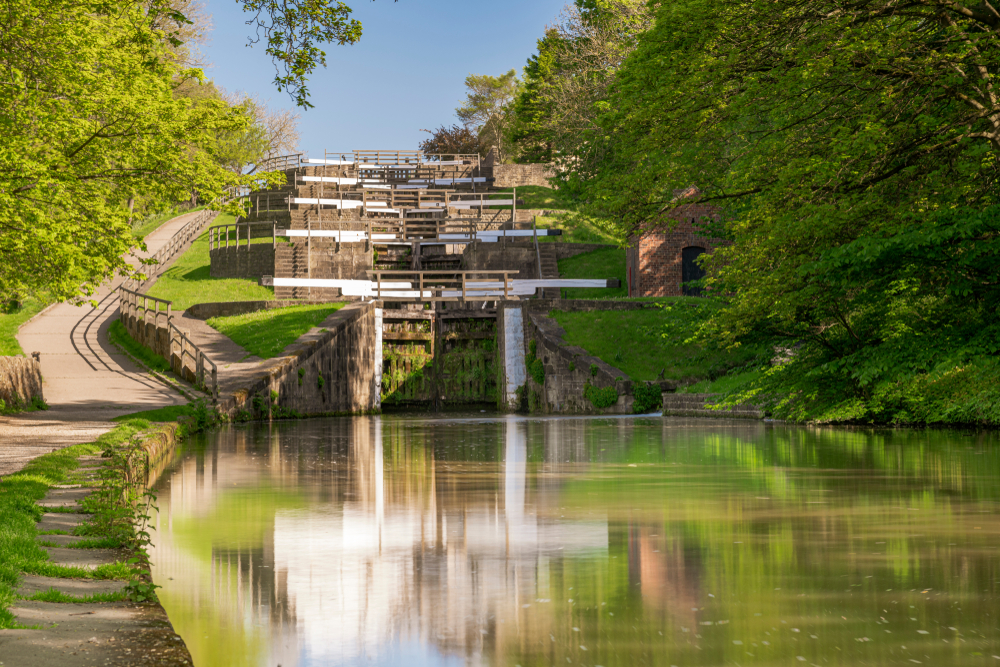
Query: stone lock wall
{"type": "Point", "coordinates": [245, 261]}
{"type": "Point", "coordinates": [292, 260]}
{"type": "Point", "coordinates": [654, 259]}
{"type": "Point", "coordinates": [338, 373]}
{"type": "Point", "coordinates": [516, 175]}
{"type": "Point", "coordinates": [20, 380]}
{"type": "Point", "coordinates": [568, 368]}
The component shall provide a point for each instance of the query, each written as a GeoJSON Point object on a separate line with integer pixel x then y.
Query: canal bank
{"type": "Point", "coordinates": [75, 588]}
{"type": "Point", "coordinates": [63, 597]}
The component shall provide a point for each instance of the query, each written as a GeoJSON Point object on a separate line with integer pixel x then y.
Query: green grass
{"type": "Point", "coordinates": [19, 512]}
{"type": "Point", "coordinates": [536, 196]}
{"type": "Point", "coordinates": [576, 228]}
{"type": "Point", "coordinates": [119, 335]}
{"type": "Point", "coordinates": [168, 414]}
{"type": "Point", "coordinates": [151, 224]}
{"type": "Point", "coordinates": [52, 595]}
{"type": "Point", "coordinates": [11, 322]}
{"type": "Point", "coordinates": [641, 343]}
{"type": "Point", "coordinates": [266, 333]}
{"type": "Point", "coordinates": [187, 282]}
{"type": "Point", "coordinates": [722, 385]}
{"type": "Point", "coordinates": [605, 263]}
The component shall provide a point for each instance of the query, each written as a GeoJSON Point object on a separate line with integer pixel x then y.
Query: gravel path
{"type": "Point", "coordinates": [87, 381]}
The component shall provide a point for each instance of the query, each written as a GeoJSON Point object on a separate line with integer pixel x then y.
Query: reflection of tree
{"type": "Point", "coordinates": [472, 538]}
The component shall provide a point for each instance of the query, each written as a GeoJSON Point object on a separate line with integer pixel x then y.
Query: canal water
{"type": "Point", "coordinates": [482, 540]}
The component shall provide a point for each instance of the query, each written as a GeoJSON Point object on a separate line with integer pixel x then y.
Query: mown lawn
{"type": "Point", "coordinates": [642, 343]}
{"type": "Point", "coordinates": [604, 263]}
{"type": "Point", "coordinates": [187, 282]}
{"type": "Point", "coordinates": [267, 333]}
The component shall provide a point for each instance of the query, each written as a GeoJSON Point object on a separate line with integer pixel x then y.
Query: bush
{"type": "Point", "coordinates": [647, 398]}
{"type": "Point", "coordinates": [601, 398]}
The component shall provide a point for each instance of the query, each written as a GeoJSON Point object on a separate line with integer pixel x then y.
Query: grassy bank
{"type": "Point", "coordinates": [576, 228]}
{"type": "Point", "coordinates": [645, 343]}
{"type": "Point", "coordinates": [605, 263]}
{"type": "Point", "coordinates": [19, 493]}
{"type": "Point", "coordinates": [266, 333]}
{"type": "Point", "coordinates": [119, 336]}
{"type": "Point", "coordinates": [12, 321]}
{"type": "Point", "coordinates": [188, 282]}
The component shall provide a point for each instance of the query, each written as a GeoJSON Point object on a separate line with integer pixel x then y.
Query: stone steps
{"type": "Point", "coordinates": [550, 269]}
{"type": "Point", "coordinates": [699, 405]}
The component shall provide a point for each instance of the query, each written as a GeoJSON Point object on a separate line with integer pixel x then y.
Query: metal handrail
{"type": "Point", "coordinates": [128, 302]}
{"type": "Point", "coordinates": [199, 357]}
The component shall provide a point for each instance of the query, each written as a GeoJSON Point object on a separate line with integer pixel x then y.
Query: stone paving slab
{"type": "Point", "coordinates": [61, 521]}
{"type": "Point", "coordinates": [34, 584]}
{"type": "Point", "coordinates": [61, 540]}
{"type": "Point", "coordinates": [89, 635]}
{"type": "Point", "coordinates": [85, 558]}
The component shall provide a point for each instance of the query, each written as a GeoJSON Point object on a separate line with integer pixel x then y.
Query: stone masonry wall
{"type": "Point", "coordinates": [568, 368]}
{"type": "Point", "coordinates": [516, 175]}
{"type": "Point", "coordinates": [517, 256]}
{"type": "Point", "coordinates": [654, 260]}
{"type": "Point", "coordinates": [351, 262]}
{"type": "Point", "coordinates": [20, 380]}
{"type": "Point", "coordinates": [348, 359]}
{"type": "Point", "coordinates": [246, 261]}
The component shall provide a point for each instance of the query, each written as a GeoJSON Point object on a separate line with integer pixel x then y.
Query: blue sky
{"type": "Point", "coordinates": [406, 73]}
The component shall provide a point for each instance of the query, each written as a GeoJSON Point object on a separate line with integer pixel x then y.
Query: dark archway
{"type": "Point", "coordinates": [690, 271]}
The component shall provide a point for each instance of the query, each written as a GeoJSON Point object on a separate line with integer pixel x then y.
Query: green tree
{"type": "Point", "coordinates": [853, 147]}
{"type": "Point", "coordinates": [90, 121]}
{"type": "Point", "coordinates": [293, 31]}
{"type": "Point", "coordinates": [488, 107]}
{"type": "Point", "coordinates": [530, 133]}
{"type": "Point", "coordinates": [565, 82]}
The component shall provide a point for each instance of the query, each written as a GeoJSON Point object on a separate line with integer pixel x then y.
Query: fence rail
{"type": "Point", "coordinates": [219, 236]}
{"type": "Point", "coordinates": [178, 241]}
{"type": "Point", "coordinates": [430, 286]}
{"type": "Point", "coordinates": [131, 302]}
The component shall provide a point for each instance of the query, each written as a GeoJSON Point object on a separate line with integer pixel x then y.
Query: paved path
{"type": "Point", "coordinates": [87, 381]}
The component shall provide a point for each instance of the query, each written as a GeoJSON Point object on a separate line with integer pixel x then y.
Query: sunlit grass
{"type": "Point", "coordinates": [187, 282]}
{"type": "Point", "coordinates": [266, 333]}
{"type": "Point", "coordinates": [52, 595]}
{"type": "Point", "coordinates": [11, 322]}
{"type": "Point", "coordinates": [644, 343]}
{"type": "Point", "coordinates": [605, 263]}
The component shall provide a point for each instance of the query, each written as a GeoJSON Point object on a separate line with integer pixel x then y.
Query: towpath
{"type": "Point", "coordinates": [87, 381]}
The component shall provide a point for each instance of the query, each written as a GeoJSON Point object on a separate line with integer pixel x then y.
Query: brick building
{"type": "Point", "coordinates": [660, 261]}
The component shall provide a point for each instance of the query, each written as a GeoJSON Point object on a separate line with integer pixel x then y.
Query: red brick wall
{"type": "Point", "coordinates": [654, 259]}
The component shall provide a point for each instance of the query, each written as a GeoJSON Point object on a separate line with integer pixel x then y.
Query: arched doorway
{"type": "Point", "coordinates": [690, 271]}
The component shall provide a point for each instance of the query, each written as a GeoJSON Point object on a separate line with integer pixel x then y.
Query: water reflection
{"type": "Point", "coordinates": [580, 541]}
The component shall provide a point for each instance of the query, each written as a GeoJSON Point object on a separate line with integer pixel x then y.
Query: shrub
{"type": "Point", "coordinates": [647, 397]}
{"type": "Point", "coordinates": [603, 397]}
